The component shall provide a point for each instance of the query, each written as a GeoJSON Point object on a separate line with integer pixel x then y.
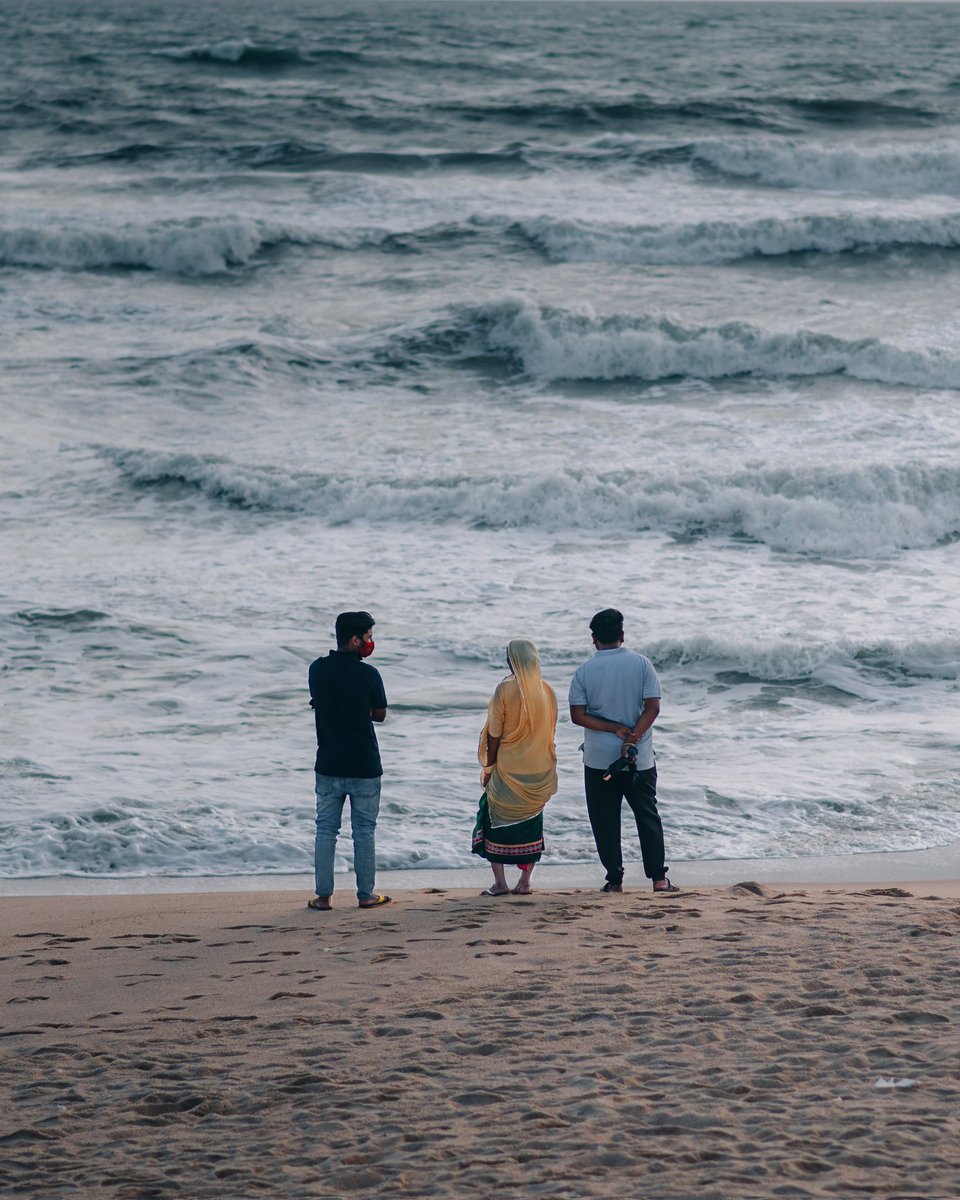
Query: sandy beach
{"type": "Point", "coordinates": [733, 1041]}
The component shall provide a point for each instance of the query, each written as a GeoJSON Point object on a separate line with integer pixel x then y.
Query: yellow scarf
{"type": "Point", "coordinates": [524, 709]}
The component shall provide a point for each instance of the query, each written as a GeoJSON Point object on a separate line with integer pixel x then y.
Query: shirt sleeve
{"type": "Point", "coordinates": [495, 714]}
{"type": "Point", "coordinates": [578, 692]}
{"type": "Point", "coordinates": [378, 697]}
{"type": "Point", "coordinates": [651, 681]}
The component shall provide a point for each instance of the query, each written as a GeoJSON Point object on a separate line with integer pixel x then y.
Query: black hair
{"type": "Point", "coordinates": [352, 624]}
{"type": "Point", "coordinates": [607, 626]}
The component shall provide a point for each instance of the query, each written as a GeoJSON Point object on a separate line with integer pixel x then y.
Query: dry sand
{"type": "Point", "coordinates": [726, 1044]}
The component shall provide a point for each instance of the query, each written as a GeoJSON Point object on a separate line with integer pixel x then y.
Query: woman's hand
{"type": "Point", "coordinates": [485, 773]}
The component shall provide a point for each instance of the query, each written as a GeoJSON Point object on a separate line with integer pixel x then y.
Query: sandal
{"type": "Point", "coordinates": [373, 902]}
{"type": "Point", "coordinates": [320, 904]}
{"type": "Point", "coordinates": [490, 891]}
{"type": "Point", "coordinates": [671, 887]}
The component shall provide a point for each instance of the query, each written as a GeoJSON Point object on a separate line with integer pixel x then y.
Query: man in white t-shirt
{"type": "Point", "coordinates": [615, 697]}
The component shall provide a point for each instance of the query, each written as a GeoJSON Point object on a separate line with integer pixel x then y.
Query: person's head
{"type": "Point", "coordinates": [354, 630]}
{"type": "Point", "coordinates": [607, 627]}
{"type": "Point", "coordinates": [524, 660]}
{"type": "Point", "coordinates": [522, 656]}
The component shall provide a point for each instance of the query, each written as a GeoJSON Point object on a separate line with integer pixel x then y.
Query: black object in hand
{"type": "Point", "coordinates": [626, 764]}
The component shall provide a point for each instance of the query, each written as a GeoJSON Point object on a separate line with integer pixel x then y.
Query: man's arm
{"type": "Point", "coordinates": [580, 716]}
{"type": "Point", "coordinates": [651, 710]}
{"type": "Point", "coordinates": [378, 697]}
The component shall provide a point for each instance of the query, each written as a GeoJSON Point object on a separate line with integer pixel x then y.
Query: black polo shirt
{"type": "Point", "coordinates": [343, 690]}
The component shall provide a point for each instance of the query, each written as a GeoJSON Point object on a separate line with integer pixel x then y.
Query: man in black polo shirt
{"type": "Point", "coordinates": [347, 696]}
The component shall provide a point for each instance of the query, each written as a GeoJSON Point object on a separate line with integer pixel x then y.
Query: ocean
{"type": "Point", "coordinates": [481, 317]}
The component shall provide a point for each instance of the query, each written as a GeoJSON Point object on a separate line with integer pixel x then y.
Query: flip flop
{"type": "Point", "coordinates": [320, 904]}
{"type": "Point", "coordinates": [671, 887]}
{"type": "Point", "coordinates": [373, 902]}
{"type": "Point", "coordinates": [490, 892]}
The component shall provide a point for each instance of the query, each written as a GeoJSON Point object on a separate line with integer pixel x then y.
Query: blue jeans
{"type": "Point", "coordinates": [332, 791]}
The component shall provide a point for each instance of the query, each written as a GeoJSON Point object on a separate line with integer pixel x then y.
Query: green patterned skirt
{"type": "Point", "coordinates": [521, 843]}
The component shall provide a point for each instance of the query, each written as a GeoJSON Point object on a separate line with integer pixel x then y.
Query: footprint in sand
{"type": "Point", "coordinates": [498, 942]}
{"type": "Point", "coordinates": [914, 1016]}
{"type": "Point", "coordinates": [57, 937]}
{"type": "Point", "coordinates": [137, 980]}
{"type": "Point", "coordinates": [158, 938]}
{"type": "Point", "coordinates": [477, 1099]}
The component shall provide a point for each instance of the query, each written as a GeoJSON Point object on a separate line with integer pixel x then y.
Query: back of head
{"type": "Point", "coordinates": [352, 624]}
{"type": "Point", "coordinates": [607, 626]}
{"type": "Point", "coordinates": [524, 656]}
{"type": "Point", "coordinates": [524, 661]}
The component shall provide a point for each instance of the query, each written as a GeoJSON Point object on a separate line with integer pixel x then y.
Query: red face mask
{"type": "Point", "coordinates": [367, 648]}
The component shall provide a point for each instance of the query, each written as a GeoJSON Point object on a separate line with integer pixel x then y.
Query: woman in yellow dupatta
{"type": "Point", "coordinates": [519, 761]}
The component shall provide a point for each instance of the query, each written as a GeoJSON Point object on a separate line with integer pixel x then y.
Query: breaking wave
{"type": "Point", "coordinates": [194, 247]}
{"type": "Point", "coordinates": [557, 344]}
{"type": "Point", "coordinates": [869, 510]}
{"type": "Point", "coordinates": [204, 247]}
{"type": "Point", "coordinates": [237, 52]}
{"type": "Point", "coordinates": [566, 240]}
{"type": "Point", "coordinates": [125, 839]}
{"type": "Point", "coordinates": [785, 660]}
{"type": "Point", "coordinates": [933, 168]}
{"type": "Point", "coordinates": [210, 246]}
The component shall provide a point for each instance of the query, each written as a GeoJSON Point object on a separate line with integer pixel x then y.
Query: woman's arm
{"type": "Point", "coordinates": [493, 745]}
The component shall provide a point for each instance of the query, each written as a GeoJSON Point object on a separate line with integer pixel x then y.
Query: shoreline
{"type": "Point", "coordinates": [888, 867]}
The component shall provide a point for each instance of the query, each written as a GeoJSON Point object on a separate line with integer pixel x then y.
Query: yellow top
{"type": "Point", "coordinates": [523, 714]}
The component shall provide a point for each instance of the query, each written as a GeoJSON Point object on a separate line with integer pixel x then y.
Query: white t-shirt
{"type": "Point", "coordinates": [614, 685]}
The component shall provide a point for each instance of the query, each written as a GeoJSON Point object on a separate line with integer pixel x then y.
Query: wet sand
{"type": "Point", "coordinates": [753, 1041]}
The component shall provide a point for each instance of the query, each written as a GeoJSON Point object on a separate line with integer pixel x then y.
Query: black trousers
{"type": "Point", "coordinates": [604, 804]}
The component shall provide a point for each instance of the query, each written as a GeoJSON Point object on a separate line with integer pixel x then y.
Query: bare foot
{"type": "Point", "coordinates": [523, 889]}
